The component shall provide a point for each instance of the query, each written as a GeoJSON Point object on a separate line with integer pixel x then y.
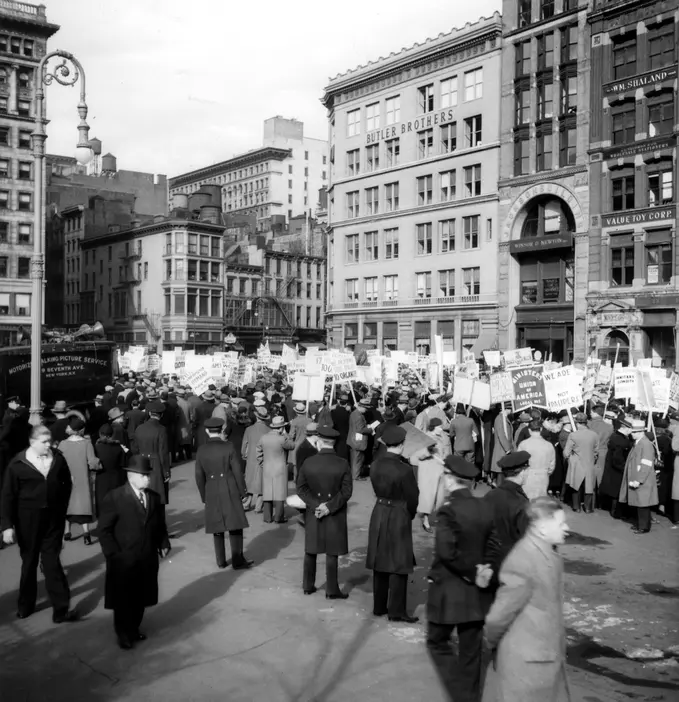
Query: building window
{"type": "Point", "coordinates": [24, 269]}
{"type": "Point", "coordinates": [569, 95]}
{"type": "Point", "coordinates": [372, 116]}
{"type": "Point", "coordinates": [390, 287]}
{"type": "Point", "coordinates": [4, 136]}
{"type": "Point", "coordinates": [4, 199]}
{"type": "Point", "coordinates": [391, 243]}
{"type": "Point", "coordinates": [425, 141]}
{"type": "Point", "coordinates": [24, 108]}
{"type": "Point", "coordinates": [447, 235]}
{"type": "Point", "coordinates": [25, 201]}
{"type": "Point", "coordinates": [660, 187]}
{"type": "Point", "coordinates": [622, 264]}
{"type": "Point", "coordinates": [424, 239]}
{"type": "Point", "coordinates": [372, 200]}
{"type": "Point", "coordinates": [372, 157]}
{"type": "Point", "coordinates": [524, 13]}
{"type": "Point", "coordinates": [393, 109]}
{"type": "Point", "coordinates": [393, 152]}
{"type": "Point", "coordinates": [625, 57]}
{"type": "Point", "coordinates": [425, 98]}
{"type": "Point", "coordinates": [545, 100]}
{"type": "Point", "coordinates": [624, 122]}
{"type": "Point", "coordinates": [25, 233]}
{"type": "Point", "coordinates": [351, 289]}
{"type": "Point", "coordinates": [544, 151]}
{"type": "Point", "coordinates": [521, 155]}
{"type": "Point", "coordinates": [568, 153]}
{"type": "Point", "coordinates": [352, 248]}
{"type": "Point", "coordinates": [146, 270]}
{"type": "Point", "coordinates": [371, 289]}
{"type": "Point", "coordinates": [22, 305]}
{"type": "Point", "coordinates": [353, 204]}
{"type": "Point", "coordinates": [473, 84]}
{"type": "Point", "coordinates": [546, 9]}
{"type": "Point", "coordinates": [24, 80]}
{"type": "Point", "coordinates": [353, 161]}
{"type": "Point", "coordinates": [522, 50]}
{"type": "Point", "coordinates": [471, 281]}
{"type": "Point", "coordinates": [470, 230]}
{"type": "Point", "coordinates": [371, 246]}
{"type": "Point", "coordinates": [353, 122]}
{"type": "Point", "coordinates": [659, 261]}
{"type": "Point", "coordinates": [448, 181]}
{"type": "Point", "coordinates": [661, 45]}
{"type": "Point", "coordinates": [569, 43]}
{"type": "Point", "coordinates": [423, 284]}
{"type": "Point", "coordinates": [522, 101]}
{"type": "Point", "coordinates": [472, 180]}
{"type": "Point", "coordinates": [661, 115]}
{"type": "Point", "coordinates": [472, 131]}
{"type": "Point", "coordinates": [4, 232]}
{"type": "Point", "coordinates": [622, 189]}
{"type": "Point", "coordinates": [449, 92]}
{"type": "Point", "coordinates": [4, 104]}
{"type": "Point", "coordinates": [28, 47]}
{"type": "Point", "coordinates": [391, 196]}
{"type": "Point", "coordinates": [448, 138]}
{"type": "Point", "coordinates": [4, 168]}
{"type": "Point", "coordinates": [546, 51]}
{"type": "Point", "coordinates": [4, 267]}
{"type": "Point", "coordinates": [447, 283]}
{"type": "Point", "coordinates": [425, 190]}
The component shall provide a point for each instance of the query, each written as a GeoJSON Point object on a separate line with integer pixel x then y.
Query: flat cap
{"type": "Point", "coordinates": [457, 466]}
{"type": "Point", "coordinates": [393, 435]}
{"type": "Point", "coordinates": [514, 460]}
{"type": "Point", "coordinates": [155, 407]}
{"type": "Point", "coordinates": [311, 429]}
{"type": "Point", "coordinates": [327, 432]}
{"type": "Point", "coordinates": [435, 422]}
{"type": "Point", "coordinates": [214, 423]}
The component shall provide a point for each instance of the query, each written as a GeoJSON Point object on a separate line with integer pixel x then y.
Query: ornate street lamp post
{"type": "Point", "coordinates": [65, 73]}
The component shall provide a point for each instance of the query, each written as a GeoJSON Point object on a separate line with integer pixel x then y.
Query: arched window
{"type": "Point", "coordinates": [547, 215]}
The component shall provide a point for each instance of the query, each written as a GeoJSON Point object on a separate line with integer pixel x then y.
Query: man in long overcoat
{"type": "Point", "coordinates": [253, 470]}
{"type": "Point", "coordinates": [462, 432]}
{"type": "Point", "coordinates": [203, 412]}
{"type": "Point", "coordinates": [324, 484]}
{"type": "Point", "coordinates": [582, 451]}
{"type": "Point", "coordinates": [184, 434]}
{"type": "Point", "coordinates": [542, 461]}
{"type": "Point", "coordinates": [619, 446]}
{"type": "Point", "coordinates": [150, 440]}
{"type": "Point", "coordinates": [390, 536]}
{"type": "Point", "coordinates": [503, 442]}
{"type": "Point", "coordinates": [133, 419]}
{"type": "Point", "coordinates": [220, 482]}
{"type": "Point", "coordinates": [639, 486]}
{"type": "Point", "coordinates": [271, 457]}
{"type": "Point", "coordinates": [603, 430]}
{"type": "Point", "coordinates": [340, 421]}
{"type": "Point", "coordinates": [357, 440]}
{"type": "Point", "coordinates": [466, 542]}
{"type": "Point", "coordinates": [132, 534]}
{"type": "Point", "coordinates": [297, 432]}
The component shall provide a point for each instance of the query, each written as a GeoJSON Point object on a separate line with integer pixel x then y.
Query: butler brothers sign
{"type": "Point", "coordinates": [424, 122]}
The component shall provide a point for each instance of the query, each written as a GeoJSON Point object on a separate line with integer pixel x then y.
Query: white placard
{"type": "Point", "coordinates": [562, 388]}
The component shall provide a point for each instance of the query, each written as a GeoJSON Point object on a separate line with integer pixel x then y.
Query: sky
{"type": "Point", "coordinates": [173, 86]}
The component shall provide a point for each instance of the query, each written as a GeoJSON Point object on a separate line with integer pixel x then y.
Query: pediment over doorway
{"type": "Point", "coordinates": [613, 306]}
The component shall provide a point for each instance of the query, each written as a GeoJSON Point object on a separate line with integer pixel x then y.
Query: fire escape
{"type": "Point", "coordinates": [132, 279]}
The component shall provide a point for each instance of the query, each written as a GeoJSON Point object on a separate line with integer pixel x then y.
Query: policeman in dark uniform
{"type": "Point", "coordinates": [220, 481]}
{"type": "Point", "coordinates": [324, 484]}
{"type": "Point", "coordinates": [465, 558]}
{"type": "Point", "coordinates": [390, 539]}
{"type": "Point", "coordinates": [509, 501]}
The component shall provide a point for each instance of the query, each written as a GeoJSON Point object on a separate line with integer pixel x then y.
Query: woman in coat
{"type": "Point", "coordinates": [526, 624]}
{"type": "Point", "coordinates": [253, 469]}
{"type": "Point", "coordinates": [619, 446]}
{"type": "Point", "coordinates": [271, 458]}
{"type": "Point", "coordinates": [81, 459]}
{"type": "Point", "coordinates": [429, 463]}
{"type": "Point", "coordinates": [111, 455]}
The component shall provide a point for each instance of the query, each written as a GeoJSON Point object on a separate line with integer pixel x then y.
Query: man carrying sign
{"type": "Point", "coordinates": [582, 450]}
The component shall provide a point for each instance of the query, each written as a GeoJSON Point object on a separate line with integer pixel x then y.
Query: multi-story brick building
{"type": "Point", "coordinates": [24, 31]}
{"type": "Point", "coordinates": [633, 273]}
{"type": "Point", "coordinates": [543, 244]}
{"type": "Point", "coordinates": [413, 202]}
{"type": "Point", "coordinates": [275, 182]}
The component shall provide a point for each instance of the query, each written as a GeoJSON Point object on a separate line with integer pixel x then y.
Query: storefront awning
{"type": "Point", "coordinates": [486, 341]}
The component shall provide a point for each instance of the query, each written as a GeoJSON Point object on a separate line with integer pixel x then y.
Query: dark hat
{"type": "Point", "coordinates": [393, 435]}
{"type": "Point", "coordinates": [457, 466]}
{"type": "Point", "coordinates": [327, 432]}
{"type": "Point", "coordinates": [14, 398]}
{"type": "Point", "coordinates": [76, 424]}
{"type": "Point", "coordinates": [155, 407]}
{"type": "Point", "coordinates": [433, 423]}
{"type": "Point", "coordinates": [139, 464]}
{"type": "Point", "coordinates": [106, 430]}
{"type": "Point", "coordinates": [365, 403]}
{"type": "Point", "coordinates": [524, 417]}
{"type": "Point", "coordinates": [312, 429]}
{"type": "Point", "coordinates": [514, 460]}
{"type": "Point", "coordinates": [214, 423]}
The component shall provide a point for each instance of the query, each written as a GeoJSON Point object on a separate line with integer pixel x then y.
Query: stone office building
{"type": "Point", "coordinates": [543, 246]}
{"type": "Point", "coordinates": [633, 274]}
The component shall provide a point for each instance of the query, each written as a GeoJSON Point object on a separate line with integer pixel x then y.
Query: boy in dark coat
{"type": "Point", "coordinates": [324, 484]}
{"type": "Point", "coordinates": [132, 534]}
{"type": "Point", "coordinates": [219, 477]}
{"type": "Point", "coordinates": [390, 536]}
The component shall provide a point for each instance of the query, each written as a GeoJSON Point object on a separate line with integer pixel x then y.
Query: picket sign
{"type": "Point", "coordinates": [199, 380]}
{"type": "Point", "coordinates": [674, 391]}
{"type": "Point", "coordinates": [308, 388]}
{"type": "Point", "coordinates": [501, 387]}
{"type": "Point", "coordinates": [562, 388]}
{"type": "Point", "coordinates": [517, 358]}
{"type": "Point", "coordinates": [626, 383]}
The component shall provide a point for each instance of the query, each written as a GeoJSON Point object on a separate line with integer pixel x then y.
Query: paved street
{"type": "Point", "coordinates": [225, 635]}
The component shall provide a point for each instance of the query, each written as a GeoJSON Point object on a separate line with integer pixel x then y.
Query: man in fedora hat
{"type": "Point", "coordinates": [582, 451]}
{"type": "Point", "coordinates": [58, 427]}
{"type": "Point", "coordinates": [298, 432]}
{"type": "Point", "coordinates": [357, 440]}
{"type": "Point", "coordinates": [324, 484]}
{"type": "Point", "coordinates": [271, 458]}
{"type": "Point", "coordinates": [253, 469]}
{"type": "Point", "coordinates": [132, 534]}
{"type": "Point", "coordinates": [219, 478]}
{"type": "Point", "coordinates": [202, 413]}
{"type": "Point", "coordinates": [150, 440]}
{"type": "Point", "coordinates": [340, 421]}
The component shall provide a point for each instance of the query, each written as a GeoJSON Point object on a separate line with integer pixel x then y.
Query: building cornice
{"type": "Point", "coordinates": [611, 9]}
{"type": "Point", "coordinates": [533, 178]}
{"type": "Point", "coordinates": [165, 226]}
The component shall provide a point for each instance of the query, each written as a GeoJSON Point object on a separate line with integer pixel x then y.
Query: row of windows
{"type": "Point", "coordinates": [203, 271]}
{"type": "Point", "coordinates": [24, 76]}
{"type": "Point", "coordinates": [470, 284]}
{"type": "Point", "coordinates": [544, 9]}
{"type": "Point", "coordinates": [178, 335]}
{"type": "Point", "coordinates": [446, 182]}
{"type": "Point", "coordinates": [281, 266]}
{"type": "Point", "coordinates": [566, 141]}
{"type": "Point", "coordinates": [23, 138]}
{"type": "Point", "coordinates": [250, 187]}
{"type": "Point", "coordinates": [658, 51]}
{"type": "Point", "coordinates": [202, 245]}
{"type": "Point", "coordinates": [657, 118]}
{"type": "Point", "coordinates": [19, 46]}
{"type": "Point", "coordinates": [22, 170]}
{"type": "Point", "coordinates": [23, 202]}
{"type": "Point", "coordinates": [656, 260]}
{"type": "Point", "coordinates": [545, 51]}
{"type": "Point", "coordinates": [23, 267]}
{"type": "Point", "coordinates": [23, 106]}
{"type": "Point", "coordinates": [17, 304]}
{"type": "Point", "coordinates": [206, 303]}
{"type": "Point", "coordinates": [24, 233]}
{"type": "Point", "coordinates": [658, 190]}
{"type": "Point", "coordinates": [544, 96]}
{"type": "Point", "coordinates": [430, 97]}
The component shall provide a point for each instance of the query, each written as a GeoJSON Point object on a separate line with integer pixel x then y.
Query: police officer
{"type": "Point", "coordinates": [219, 478]}
{"type": "Point", "coordinates": [390, 539]}
{"type": "Point", "coordinates": [324, 484]}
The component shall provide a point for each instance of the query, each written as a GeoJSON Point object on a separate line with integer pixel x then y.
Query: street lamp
{"type": "Point", "coordinates": [66, 73]}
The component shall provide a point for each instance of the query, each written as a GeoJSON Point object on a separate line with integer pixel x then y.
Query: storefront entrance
{"type": "Point", "coordinates": [554, 341]}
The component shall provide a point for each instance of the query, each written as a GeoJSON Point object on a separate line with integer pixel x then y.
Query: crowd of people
{"type": "Point", "coordinates": [110, 465]}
